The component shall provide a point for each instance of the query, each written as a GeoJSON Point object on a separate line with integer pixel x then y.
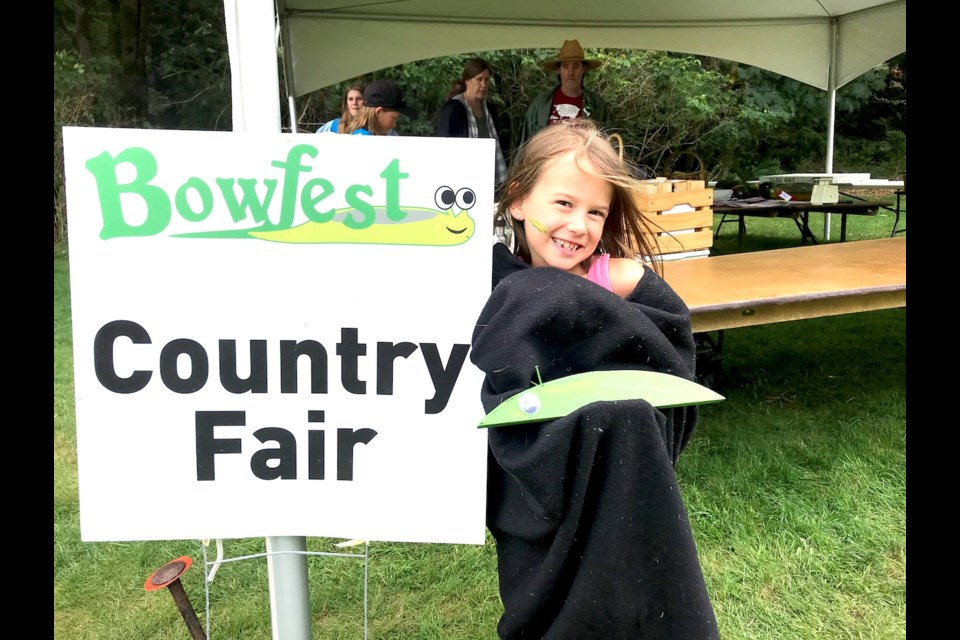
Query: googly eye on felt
{"type": "Point", "coordinates": [529, 403]}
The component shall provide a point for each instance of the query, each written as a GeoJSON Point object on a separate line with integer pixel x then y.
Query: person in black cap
{"type": "Point", "coordinates": [383, 104]}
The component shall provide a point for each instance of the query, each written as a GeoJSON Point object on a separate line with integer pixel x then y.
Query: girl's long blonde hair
{"type": "Point", "coordinates": [626, 232]}
{"type": "Point", "coordinates": [366, 119]}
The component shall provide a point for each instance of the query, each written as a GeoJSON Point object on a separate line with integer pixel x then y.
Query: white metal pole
{"type": "Point", "coordinates": [289, 587]}
{"type": "Point", "coordinates": [831, 112]}
{"type": "Point", "coordinates": [255, 90]}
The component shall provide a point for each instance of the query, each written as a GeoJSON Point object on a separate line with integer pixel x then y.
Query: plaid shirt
{"type": "Point", "coordinates": [501, 165]}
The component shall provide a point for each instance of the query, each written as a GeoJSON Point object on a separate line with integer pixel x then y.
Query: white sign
{"type": "Point", "coordinates": [271, 334]}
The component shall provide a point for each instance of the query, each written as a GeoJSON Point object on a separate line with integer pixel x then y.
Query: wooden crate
{"type": "Point", "coordinates": [680, 215]}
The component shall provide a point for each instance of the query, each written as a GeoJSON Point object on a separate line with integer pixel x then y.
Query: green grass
{"type": "Point", "coordinates": [795, 486]}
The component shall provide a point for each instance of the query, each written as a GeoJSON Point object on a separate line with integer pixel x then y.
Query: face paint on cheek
{"type": "Point", "coordinates": [539, 226]}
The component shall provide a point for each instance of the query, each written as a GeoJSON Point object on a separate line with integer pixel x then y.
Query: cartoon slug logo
{"type": "Point", "coordinates": [447, 225]}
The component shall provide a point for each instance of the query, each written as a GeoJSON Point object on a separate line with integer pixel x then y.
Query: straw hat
{"type": "Point", "coordinates": [569, 52]}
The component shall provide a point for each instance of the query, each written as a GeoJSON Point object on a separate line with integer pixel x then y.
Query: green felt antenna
{"type": "Point", "coordinates": [563, 396]}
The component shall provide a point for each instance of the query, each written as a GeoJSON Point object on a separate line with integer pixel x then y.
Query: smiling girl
{"type": "Point", "coordinates": [593, 539]}
{"type": "Point", "coordinates": [570, 205]}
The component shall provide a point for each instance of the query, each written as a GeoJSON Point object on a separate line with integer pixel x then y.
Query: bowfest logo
{"type": "Point", "coordinates": [240, 207]}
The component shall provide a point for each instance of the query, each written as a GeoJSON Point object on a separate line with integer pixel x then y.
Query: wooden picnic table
{"type": "Point", "coordinates": [763, 287]}
{"type": "Point", "coordinates": [799, 212]}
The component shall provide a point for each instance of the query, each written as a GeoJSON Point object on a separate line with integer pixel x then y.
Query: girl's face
{"type": "Point", "coordinates": [563, 215]}
{"type": "Point", "coordinates": [387, 118]}
{"type": "Point", "coordinates": [354, 102]}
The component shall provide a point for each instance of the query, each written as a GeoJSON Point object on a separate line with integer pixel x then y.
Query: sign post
{"type": "Point", "coordinates": [254, 85]}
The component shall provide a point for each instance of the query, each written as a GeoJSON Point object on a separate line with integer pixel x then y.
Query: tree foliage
{"type": "Point", "coordinates": [138, 63]}
{"type": "Point", "coordinates": [167, 59]}
{"type": "Point", "coordinates": [740, 120]}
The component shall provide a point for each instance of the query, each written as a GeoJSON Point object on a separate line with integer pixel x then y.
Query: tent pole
{"type": "Point", "coordinates": [283, 38]}
{"type": "Point", "coordinates": [831, 112]}
{"type": "Point", "coordinates": [255, 87]}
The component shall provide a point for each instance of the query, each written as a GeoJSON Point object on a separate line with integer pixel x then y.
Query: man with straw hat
{"type": "Point", "coordinates": [569, 99]}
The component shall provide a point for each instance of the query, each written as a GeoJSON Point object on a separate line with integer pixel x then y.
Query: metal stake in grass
{"type": "Point", "coordinates": [169, 576]}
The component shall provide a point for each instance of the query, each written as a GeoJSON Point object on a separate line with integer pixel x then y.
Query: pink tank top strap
{"type": "Point", "coordinates": [599, 271]}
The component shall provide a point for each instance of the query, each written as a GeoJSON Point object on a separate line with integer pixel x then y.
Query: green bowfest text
{"type": "Point", "coordinates": [159, 208]}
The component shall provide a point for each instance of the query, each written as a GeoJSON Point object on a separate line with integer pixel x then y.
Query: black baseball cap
{"type": "Point", "coordinates": [384, 93]}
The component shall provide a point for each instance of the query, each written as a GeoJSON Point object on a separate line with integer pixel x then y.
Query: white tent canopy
{"type": "Point", "coordinates": [328, 41]}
